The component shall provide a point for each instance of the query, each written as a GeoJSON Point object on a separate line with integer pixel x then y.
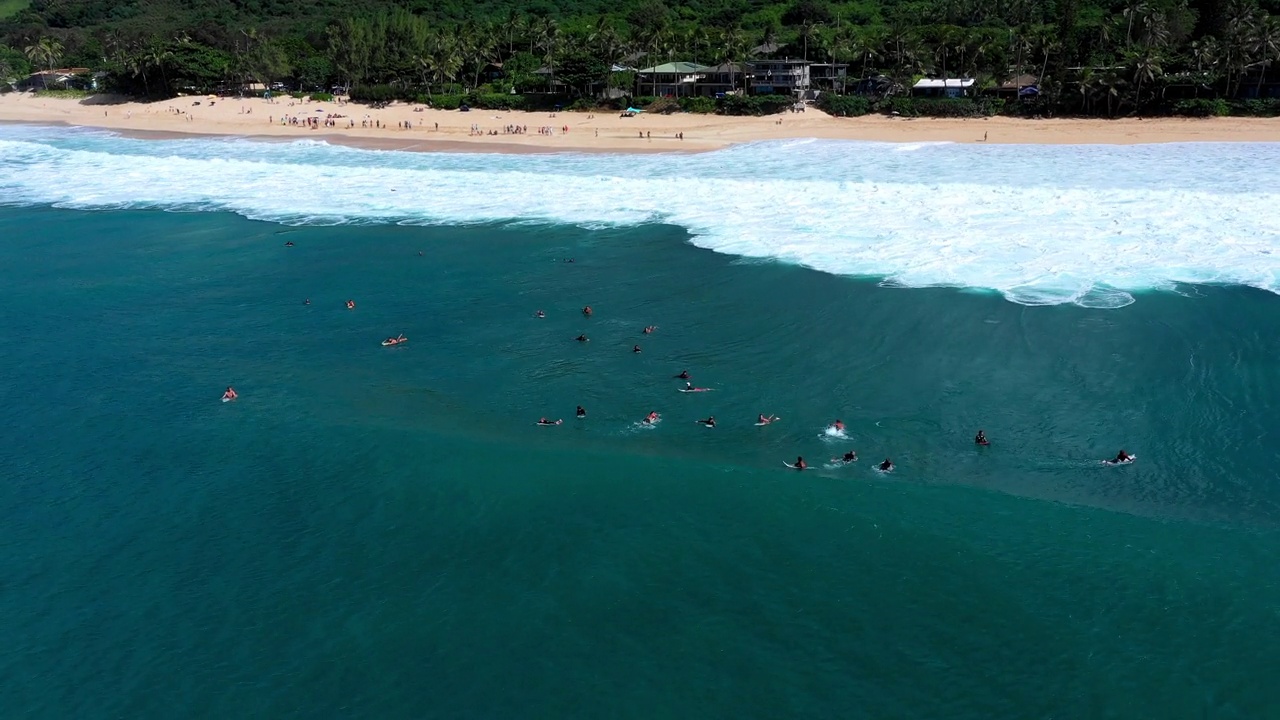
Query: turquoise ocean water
{"type": "Point", "coordinates": [383, 532]}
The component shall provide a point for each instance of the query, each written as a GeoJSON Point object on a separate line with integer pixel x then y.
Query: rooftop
{"type": "Point", "coordinates": [944, 83]}
{"type": "Point", "coordinates": [673, 68]}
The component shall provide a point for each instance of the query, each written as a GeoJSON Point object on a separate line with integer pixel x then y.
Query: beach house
{"type": "Point", "coordinates": [673, 79]}
{"type": "Point", "coordinates": [779, 77]}
{"type": "Point", "coordinates": [723, 79]}
{"type": "Point", "coordinates": [942, 87]}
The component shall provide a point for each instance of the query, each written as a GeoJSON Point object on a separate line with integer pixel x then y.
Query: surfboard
{"type": "Point", "coordinates": [1122, 462]}
{"type": "Point", "coordinates": [398, 342]}
{"type": "Point", "coordinates": [693, 390]}
{"type": "Point", "coordinates": [760, 424]}
{"type": "Point", "coordinates": [551, 424]}
{"type": "Point", "coordinates": [793, 467]}
{"type": "Point", "coordinates": [227, 399]}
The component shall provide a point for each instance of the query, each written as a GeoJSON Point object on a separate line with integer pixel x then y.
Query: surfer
{"type": "Point", "coordinates": [981, 438]}
{"type": "Point", "coordinates": [539, 314]}
{"type": "Point", "coordinates": [651, 418]}
{"type": "Point", "coordinates": [230, 394]}
{"type": "Point", "coordinates": [838, 426]}
{"type": "Point", "coordinates": [288, 243]}
{"type": "Point", "coordinates": [684, 375]}
{"type": "Point", "coordinates": [636, 349]}
{"type": "Point", "coordinates": [394, 340]}
{"type": "Point", "coordinates": [649, 330]}
{"type": "Point", "coordinates": [848, 457]}
{"type": "Point", "coordinates": [1121, 457]}
{"type": "Point", "coordinates": [582, 412]}
{"type": "Point", "coordinates": [586, 311]}
{"type": "Point", "coordinates": [544, 421]}
{"type": "Point", "coordinates": [709, 422]}
{"type": "Point", "coordinates": [886, 466]}
{"type": "Point", "coordinates": [351, 304]}
{"type": "Point", "coordinates": [801, 464]}
{"type": "Point", "coordinates": [582, 338]}
{"type": "Point", "coordinates": [307, 301]}
{"type": "Point", "coordinates": [762, 420]}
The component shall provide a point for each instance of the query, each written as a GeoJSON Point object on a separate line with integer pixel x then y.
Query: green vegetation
{"type": "Point", "coordinates": [57, 93]}
{"type": "Point", "coordinates": [1090, 57]}
{"type": "Point", "coordinates": [9, 8]}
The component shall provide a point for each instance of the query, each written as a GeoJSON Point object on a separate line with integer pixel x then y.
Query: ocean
{"type": "Point", "coordinates": [384, 532]}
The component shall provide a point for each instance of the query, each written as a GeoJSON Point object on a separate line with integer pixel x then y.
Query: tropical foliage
{"type": "Point", "coordinates": [1098, 57]}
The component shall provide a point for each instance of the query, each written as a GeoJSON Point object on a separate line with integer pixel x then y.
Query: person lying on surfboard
{"type": "Point", "coordinates": [848, 457]}
{"type": "Point", "coordinates": [684, 375]}
{"type": "Point", "coordinates": [635, 349]}
{"type": "Point", "coordinates": [981, 438]}
{"type": "Point", "coordinates": [762, 420]}
{"type": "Point", "coordinates": [709, 422]}
{"type": "Point", "coordinates": [582, 412]}
{"type": "Point", "coordinates": [688, 387]}
{"type": "Point", "coordinates": [544, 421]}
{"type": "Point", "coordinates": [886, 466]}
{"type": "Point", "coordinates": [582, 338]}
{"type": "Point", "coordinates": [539, 314]}
{"type": "Point", "coordinates": [649, 330]}
{"type": "Point", "coordinates": [801, 464]}
{"type": "Point", "coordinates": [838, 426]}
{"type": "Point", "coordinates": [651, 418]}
{"type": "Point", "coordinates": [351, 304]}
{"type": "Point", "coordinates": [394, 340]}
{"type": "Point", "coordinates": [1121, 457]}
{"type": "Point", "coordinates": [230, 394]}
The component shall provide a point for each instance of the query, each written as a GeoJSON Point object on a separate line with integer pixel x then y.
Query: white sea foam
{"type": "Point", "coordinates": [1040, 224]}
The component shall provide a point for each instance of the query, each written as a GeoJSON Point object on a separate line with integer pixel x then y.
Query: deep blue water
{"type": "Point", "coordinates": [383, 532]}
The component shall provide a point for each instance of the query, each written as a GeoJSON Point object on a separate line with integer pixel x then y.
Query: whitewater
{"type": "Point", "coordinates": [1089, 225]}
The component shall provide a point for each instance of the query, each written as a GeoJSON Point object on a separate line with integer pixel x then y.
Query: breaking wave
{"type": "Point", "coordinates": [1088, 225]}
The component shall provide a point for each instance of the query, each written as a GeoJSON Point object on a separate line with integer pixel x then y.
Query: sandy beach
{"type": "Point", "coordinates": [403, 126]}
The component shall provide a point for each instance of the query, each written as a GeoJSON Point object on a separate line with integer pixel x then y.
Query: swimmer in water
{"type": "Point", "coordinates": [762, 420]}
{"type": "Point", "coordinates": [684, 375]}
{"type": "Point", "coordinates": [582, 338]}
{"type": "Point", "coordinates": [886, 466]}
{"type": "Point", "coordinates": [230, 394]}
{"type": "Point", "coordinates": [586, 311]}
{"type": "Point", "coordinates": [582, 412]}
{"type": "Point", "coordinates": [651, 418]}
{"type": "Point", "coordinates": [709, 422]}
{"type": "Point", "coordinates": [981, 438]}
{"type": "Point", "coordinates": [636, 349]}
{"type": "Point", "coordinates": [801, 464]}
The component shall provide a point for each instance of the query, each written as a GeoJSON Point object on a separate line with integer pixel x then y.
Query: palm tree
{"type": "Point", "coordinates": [547, 39]}
{"type": "Point", "coordinates": [1146, 68]}
{"type": "Point", "coordinates": [733, 48]}
{"type": "Point", "coordinates": [808, 30]}
{"type": "Point", "coordinates": [157, 56]}
{"type": "Point", "coordinates": [46, 51]}
{"type": "Point", "coordinates": [607, 45]}
{"type": "Point", "coordinates": [1266, 46]}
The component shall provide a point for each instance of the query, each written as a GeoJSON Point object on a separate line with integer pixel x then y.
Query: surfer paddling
{"type": "Point", "coordinates": [1121, 458]}
{"type": "Point", "coordinates": [837, 426]}
{"type": "Point", "coordinates": [582, 412]}
{"type": "Point", "coordinates": [649, 330]}
{"type": "Point", "coordinates": [394, 340]}
{"type": "Point", "coordinates": [230, 394]}
{"type": "Point", "coordinates": [539, 314]}
{"type": "Point", "coordinates": [847, 458]}
{"type": "Point", "coordinates": [351, 304]}
{"type": "Point", "coordinates": [651, 418]}
{"type": "Point", "coordinates": [762, 420]}
{"type": "Point", "coordinates": [684, 375]}
{"type": "Point", "coordinates": [886, 466]}
{"type": "Point", "coordinates": [544, 422]}
{"type": "Point", "coordinates": [582, 338]}
{"type": "Point", "coordinates": [709, 422]}
{"type": "Point", "coordinates": [636, 349]}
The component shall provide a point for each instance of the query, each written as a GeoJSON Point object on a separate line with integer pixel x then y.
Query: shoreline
{"type": "Point", "coordinates": [412, 128]}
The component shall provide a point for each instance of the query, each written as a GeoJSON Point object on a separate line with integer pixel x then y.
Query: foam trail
{"type": "Point", "coordinates": [1042, 225]}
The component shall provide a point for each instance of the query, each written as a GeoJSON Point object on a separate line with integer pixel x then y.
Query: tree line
{"type": "Point", "coordinates": [1093, 57]}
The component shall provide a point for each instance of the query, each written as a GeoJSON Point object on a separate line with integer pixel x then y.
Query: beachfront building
{"type": "Point", "coordinates": [942, 87]}
{"type": "Point", "coordinates": [829, 76]}
{"type": "Point", "coordinates": [780, 77]}
{"type": "Point", "coordinates": [61, 79]}
{"type": "Point", "coordinates": [673, 79]}
{"type": "Point", "coordinates": [1016, 88]}
{"type": "Point", "coordinates": [724, 79]}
